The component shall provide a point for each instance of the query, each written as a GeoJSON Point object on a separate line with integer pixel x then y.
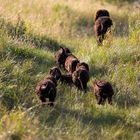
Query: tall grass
{"type": "Point", "coordinates": [28, 40]}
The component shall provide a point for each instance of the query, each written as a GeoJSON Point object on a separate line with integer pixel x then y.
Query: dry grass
{"type": "Point", "coordinates": [31, 32]}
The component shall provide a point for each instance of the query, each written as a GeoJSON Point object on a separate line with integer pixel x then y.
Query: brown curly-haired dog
{"type": "Point", "coordinates": [80, 76]}
{"type": "Point", "coordinates": [102, 24]}
{"type": "Point", "coordinates": [103, 90]}
{"type": "Point", "coordinates": [61, 55]}
{"type": "Point", "coordinates": [47, 89]}
{"type": "Point", "coordinates": [66, 59]}
{"type": "Point", "coordinates": [67, 79]}
{"type": "Point", "coordinates": [71, 63]}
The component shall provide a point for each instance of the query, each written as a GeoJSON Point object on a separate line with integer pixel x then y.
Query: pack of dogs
{"type": "Point", "coordinates": [77, 72]}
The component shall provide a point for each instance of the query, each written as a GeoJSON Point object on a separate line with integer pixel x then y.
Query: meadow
{"type": "Point", "coordinates": [30, 34]}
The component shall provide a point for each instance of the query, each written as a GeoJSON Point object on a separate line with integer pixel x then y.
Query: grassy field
{"type": "Point", "coordinates": [31, 32]}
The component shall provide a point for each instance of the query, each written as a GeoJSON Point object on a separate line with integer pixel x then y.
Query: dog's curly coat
{"type": "Point", "coordinates": [103, 90]}
{"type": "Point", "coordinates": [47, 89]}
{"type": "Point", "coordinates": [80, 76]}
{"type": "Point", "coordinates": [102, 24]}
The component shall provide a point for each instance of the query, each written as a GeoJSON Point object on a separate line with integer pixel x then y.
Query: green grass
{"type": "Point", "coordinates": [29, 37]}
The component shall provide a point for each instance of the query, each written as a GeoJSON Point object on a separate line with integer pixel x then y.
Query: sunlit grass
{"type": "Point", "coordinates": [30, 34]}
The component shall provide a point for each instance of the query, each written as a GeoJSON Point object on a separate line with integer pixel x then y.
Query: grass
{"type": "Point", "coordinates": [29, 37]}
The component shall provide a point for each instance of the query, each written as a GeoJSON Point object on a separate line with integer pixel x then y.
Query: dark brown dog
{"type": "Point", "coordinates": [102, 24]}
{"type": "Point", "coordinates": [47, 89]}
{"type": "Point", "coordinates": [66, 59]}
{"type": "Point", "coordinates": [80, 76]}
{"type": "Point", "coordinates": [103, 90]}
{"type": "Point", "coordinates": [71, 63]}
{"type": "Point", "coordinates": [61, 55]}
{"type": "Point", "coordinates": [67, 79]}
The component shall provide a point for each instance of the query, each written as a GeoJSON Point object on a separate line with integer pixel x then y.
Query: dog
{"type": "Point", "coordinates": [61, 55]}
{"type": "Point", "coordinates": [102, 24]}
{"type": "Point", "coordinates": [47, 89]}
{"type": "Point", "coordinates": [71, 63]}
{"type": "Point", "coordinates": [80, 76]}
{"type": "Point", "coordinates": [103, 90]}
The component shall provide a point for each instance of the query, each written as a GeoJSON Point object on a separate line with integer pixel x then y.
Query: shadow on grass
{"type": "Point", "coordinates": [98, 71]}
{"type": "Point", "coordinates": [19, 31]}
{"type": "Point", "coordinates": [23, 80]}
{"type": "Point", "coordinates": [21, 54]}
{"type": "Point", "coordinates": [106, 119]}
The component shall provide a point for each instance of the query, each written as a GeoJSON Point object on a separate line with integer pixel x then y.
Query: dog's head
{"type": "Point", "coordinates": [66, 50]}
{"type": "Point", "coordinates": [55, 72]}
{"type": "Point", "coordinates": [101, 13]}
{"type": "Point", "coordinates": [61, 55]}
